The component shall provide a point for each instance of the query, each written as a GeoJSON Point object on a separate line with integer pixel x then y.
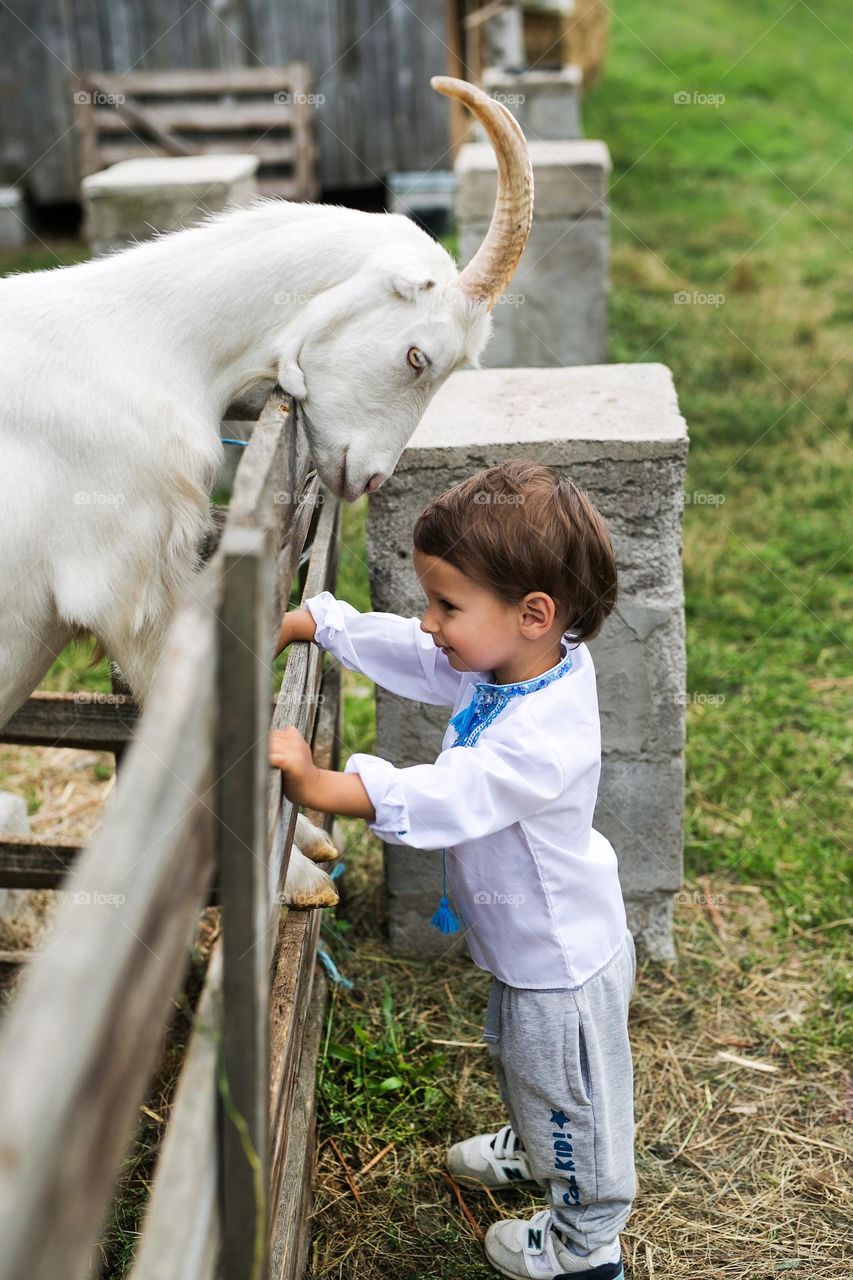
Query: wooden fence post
{"type": "Point", "coordinates": [242, 771]}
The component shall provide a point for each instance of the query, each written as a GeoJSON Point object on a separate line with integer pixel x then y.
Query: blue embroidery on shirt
{"type": "Point", "coordinates": [490, 699]}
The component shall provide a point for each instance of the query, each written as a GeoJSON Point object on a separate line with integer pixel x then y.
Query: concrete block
{"type": "Point", "coordinates": [570, 179]}
{"type": "Point", "coordinates": [616, 430]}
{"type": "Point", "coordinates": [413, 877]}
{"type": "Point", "coordinates": [14, 233]}
{"type": "Point", "coordinates": [555, 312]}
{"type": "Point", "coordinates": [132, 200]}
{"type": "Point", "coordinates": [650, 921]}
{"type": "Point", "coordinates": [640, 669]}
{"type": "Point", "coordinates": [547, 104]}
{"type": "Point", "coordinates": [641, 810]}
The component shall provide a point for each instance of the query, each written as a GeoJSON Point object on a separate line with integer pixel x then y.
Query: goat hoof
{"type": "Point", "coordinates": [314, 842]}
{"type": "Point", "coordinates": [325, 895]}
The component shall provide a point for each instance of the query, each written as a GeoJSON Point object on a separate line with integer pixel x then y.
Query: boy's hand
{"type": "Point", "coordinates": [291, 753]}
{"type": "Point", "coordinates": [297, 624]}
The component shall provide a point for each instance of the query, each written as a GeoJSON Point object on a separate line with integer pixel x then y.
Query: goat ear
{"type": "Point", "coordinates": [292, 380]}
{"type": "Point", "coordinates": [408, 287]}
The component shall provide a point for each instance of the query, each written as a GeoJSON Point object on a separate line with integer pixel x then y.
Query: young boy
{"type": "Point", "coordinates": [518, 572]}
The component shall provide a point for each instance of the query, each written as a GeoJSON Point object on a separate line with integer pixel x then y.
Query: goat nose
{"type": "Point", "coordinates": [374, 482]}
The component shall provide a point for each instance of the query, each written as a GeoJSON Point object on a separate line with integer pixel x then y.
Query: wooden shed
{"type": "Point", "coordinates": [371, 62]}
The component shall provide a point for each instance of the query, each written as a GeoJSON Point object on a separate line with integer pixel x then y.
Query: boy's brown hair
{"type": "Point", "coordinates": [521, 527]}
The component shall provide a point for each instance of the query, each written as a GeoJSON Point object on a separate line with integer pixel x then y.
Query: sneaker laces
{"type": "Point", "coordinates": [500, 1143]}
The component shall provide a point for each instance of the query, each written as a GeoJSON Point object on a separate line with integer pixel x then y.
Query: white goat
{"type": "Point", "coordinates": [116, 374]}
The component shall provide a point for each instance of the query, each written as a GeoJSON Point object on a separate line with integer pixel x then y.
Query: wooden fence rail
{"type": "Point", "coordinates": [197, 808]}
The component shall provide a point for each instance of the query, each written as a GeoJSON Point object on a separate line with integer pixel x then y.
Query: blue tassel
{"type": "Point", "coordinates": [444, 918]}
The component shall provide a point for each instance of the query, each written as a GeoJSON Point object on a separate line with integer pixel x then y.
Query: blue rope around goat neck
{"type": "Point", "coordinates": [444, 918]}
{"type": "Point", "coordinates": [228, 440]}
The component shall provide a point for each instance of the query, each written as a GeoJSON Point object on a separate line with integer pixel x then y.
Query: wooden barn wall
{"type": "Point", "coordinates": [372, 61]}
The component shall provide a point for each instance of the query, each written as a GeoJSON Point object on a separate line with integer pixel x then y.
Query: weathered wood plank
{"type": "Point", "coordinates": [295, 960]}
{"type": "Point", "coordinates": [27, 862]}
{"type": "Point", "coordinates": [181, 1232]}
{"type": "Point", "coordinates": [291, 992]}
{"type": "Point", "coordinates": [187, 116]}
{"type": "Point", "coordinates": [296, 703]}
{"type": "Point", "coordinates": [268, 153]}
{"type": "Point", "coordinates": [78, 1045]}
{"type": "Point", "coordinates": [245, 655]}
{"type": "Point", "coordinates": [212, 81]}
{"type": "Point", "coordinates": [292, 1224]}
{"type": "Point", "coordinates": [88, 721]}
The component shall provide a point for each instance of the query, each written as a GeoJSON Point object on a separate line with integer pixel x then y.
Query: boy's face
{"type": "Point", "coordinates": [476, 629]}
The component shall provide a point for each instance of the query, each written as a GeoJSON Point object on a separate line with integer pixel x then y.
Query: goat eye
{"type": "Point", "coordinates": [416, 358]}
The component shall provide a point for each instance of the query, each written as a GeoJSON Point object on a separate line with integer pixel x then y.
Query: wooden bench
{"type": "Point", "coordinates": [267, 112]}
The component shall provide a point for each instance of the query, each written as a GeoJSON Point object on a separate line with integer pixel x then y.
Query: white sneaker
{"type": "Point", "coordinates": [534, 1250]}
{"type": "Point", "coordinates": [494, 1159]}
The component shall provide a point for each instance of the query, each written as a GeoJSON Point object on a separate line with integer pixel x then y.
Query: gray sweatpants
{"type": "Point", "coordinates": [563, 1065]}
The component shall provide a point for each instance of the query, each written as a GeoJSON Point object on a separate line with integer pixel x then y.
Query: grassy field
{"type": "Point", "coordinates": [740, 207]}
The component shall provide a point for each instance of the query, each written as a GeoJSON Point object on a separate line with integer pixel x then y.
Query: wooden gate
{"type": "Point", "coordinates": [198, 817]}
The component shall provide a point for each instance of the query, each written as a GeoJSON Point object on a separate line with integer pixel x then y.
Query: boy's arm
{"type": "Point", "coordinates": [314, 788]}
{"type": "Point", "coordinates": [298, 624]}
{"type": "Point", "coordinates": [391, 650]}
{"type": "Point", "coordinates": [469, 793]}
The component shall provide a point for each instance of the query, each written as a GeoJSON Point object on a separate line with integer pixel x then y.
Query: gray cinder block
{"type": "Point", "coordinates": [555, 311]}
{"type": "Point", "coordinates": [547, 104]}
{"type": "Point", "coordinates": [134, 199]}
{"type": "Point", "coordinates": [617, 432]}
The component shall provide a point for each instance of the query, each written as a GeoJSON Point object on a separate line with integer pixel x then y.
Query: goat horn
{"type": "Point", "coordinates": [491, 269]}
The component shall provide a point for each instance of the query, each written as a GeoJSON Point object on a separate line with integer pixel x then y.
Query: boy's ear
{"type": "Point", "coordinates": [540, 610]}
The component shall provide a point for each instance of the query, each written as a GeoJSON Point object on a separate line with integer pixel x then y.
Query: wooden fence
{"type": "Point", "coordinates": [198, 816]}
